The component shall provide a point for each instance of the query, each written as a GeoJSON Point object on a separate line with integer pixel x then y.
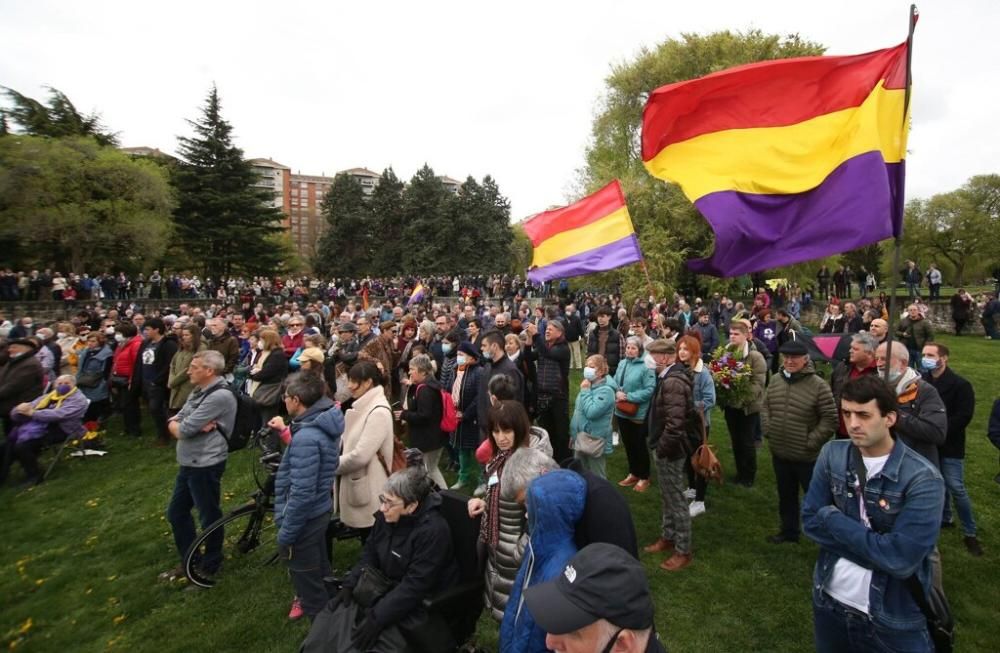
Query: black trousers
{"type": "Point", "coordinates": [741, 429]}
{"type": "Point", "coordinates": [128, 403]}
{"type": "Point", "coordinates": [634, 437]}
{"type": "Point", "coordinates": [789, 477]}
{"type": "Point", "coordinates": [156, 398]}
{"type": "Point", "coordinates": [553, 416]}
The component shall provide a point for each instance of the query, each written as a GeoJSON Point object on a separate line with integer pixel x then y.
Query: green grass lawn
{"type": "Point", "coordinates": [79, 557]}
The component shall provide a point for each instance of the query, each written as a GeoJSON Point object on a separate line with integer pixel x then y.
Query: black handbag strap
{"type": "Point", "coordinates": [912, 582]}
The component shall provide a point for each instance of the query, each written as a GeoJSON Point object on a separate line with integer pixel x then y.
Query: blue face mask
{"type": "Point", "coordinates": [63, 388]}
{"type": "Point", "coordinates": [461, 359]}
{"type": "Point", "coordinates": [589, 373]}
{"type": "Point", "coordinates": [446, 347]}
{"type": "Point", "coordinates": [928, 364]}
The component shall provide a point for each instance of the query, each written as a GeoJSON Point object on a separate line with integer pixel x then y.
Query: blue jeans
{"type": "Point", "coordinates": [201, 488]}
{"type": "Point", "coordinates": [839, 628]}
{"type": "Point", "coordinates": [953, 470]}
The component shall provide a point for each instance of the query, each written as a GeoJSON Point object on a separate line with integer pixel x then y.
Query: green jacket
{"type": "Point", "coordinates": [178, 382]}
{"type": "Point", "coordinates": [914, 334]}
{"type": "Point", "coordinates": [798, 415]}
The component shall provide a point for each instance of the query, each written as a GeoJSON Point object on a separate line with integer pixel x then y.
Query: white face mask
{"type": "Point", "coordinates": [119, 337]}
{"type": "Point", "coordinates": [60, 335]}
{"type": "Point", "coordinates": [260, 345]}
{"type": "Point", "coordinates": [649, 362]}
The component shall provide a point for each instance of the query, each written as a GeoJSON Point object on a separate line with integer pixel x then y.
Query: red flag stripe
{"type": "Point", "coordinates": [766, 94]}
{"type": "Point", "coordinates": [601, 204]}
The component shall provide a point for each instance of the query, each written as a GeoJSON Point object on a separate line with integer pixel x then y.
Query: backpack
{"type": "Point", "coordinates": [449, 416]}
{"type": "Point", "coordinates": [246, 420]}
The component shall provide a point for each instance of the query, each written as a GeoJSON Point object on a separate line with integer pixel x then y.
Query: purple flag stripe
{"type": "Point", "coordinates": [859, 203]}
{"type": "Point", "coordinates": [607, 257]}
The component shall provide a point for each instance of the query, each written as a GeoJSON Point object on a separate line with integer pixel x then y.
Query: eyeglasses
{"type": "Point", "coordinates": [388, 503]}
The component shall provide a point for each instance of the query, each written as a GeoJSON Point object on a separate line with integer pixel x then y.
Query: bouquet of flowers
{"type": "Point", "coordinates": [732, 376]}
{"type": "Point", "coordinates": [93, 438]}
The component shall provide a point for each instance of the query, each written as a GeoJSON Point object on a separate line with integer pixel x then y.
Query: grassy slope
{"type": "Point", "coordinates": [80, 554]}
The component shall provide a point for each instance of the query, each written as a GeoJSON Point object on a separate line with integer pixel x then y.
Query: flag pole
{"type": "Point", "coordinates": [649, 282]}
{"type": "Point", "coordinates": [898, 243]}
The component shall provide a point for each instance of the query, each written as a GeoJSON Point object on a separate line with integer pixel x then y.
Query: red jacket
{"type": "Point", "coordinates": [123, 363]}
{"type": "Point", "coordinates": [291, 343]}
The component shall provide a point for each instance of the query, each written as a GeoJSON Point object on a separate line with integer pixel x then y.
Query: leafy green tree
{"type": "Point", "coordinates": [426, 230]}
{"type": "Point", "coordinates": [959, 227]}
{"type": "Point", "coordinates": [70, 204]}
{"type": "Point", "coordinates": [346, 246]}
{"type": "Point", "coordinates": [670, 229]}
{"type": "Point", "coordinates": [59, 119]}
{"type": "Point", "coordinates": [224, 223]}
{"type": "Point", "coordinates": [387, 223]}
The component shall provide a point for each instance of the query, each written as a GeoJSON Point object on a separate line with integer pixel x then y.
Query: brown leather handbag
{"type": "Point", "coordinates": [704, 462]}
{"type": "Point", "coordinates": [629, 408]}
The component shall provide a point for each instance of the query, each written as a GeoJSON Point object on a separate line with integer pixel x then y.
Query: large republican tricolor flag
{"type": "Point", "coordinates": [788, 160]}
{"type": "Point", "coordinates": [592, 235]}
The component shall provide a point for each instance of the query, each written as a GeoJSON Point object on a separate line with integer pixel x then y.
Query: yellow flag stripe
{"type": "Point", "coordinates": [785, 160]}
{"type": "Point", "coordinates": [614, 226]}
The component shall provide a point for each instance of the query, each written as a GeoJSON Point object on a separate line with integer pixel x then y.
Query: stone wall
{"type": "Point", "coordinates": [939, 317]}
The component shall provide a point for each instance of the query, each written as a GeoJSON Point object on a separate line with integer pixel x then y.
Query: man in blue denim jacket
{"type": "Point", "coordinates": [869, 548]}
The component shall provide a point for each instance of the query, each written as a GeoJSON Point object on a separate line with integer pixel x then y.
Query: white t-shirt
{"type": "Point", "coordinates": [851, 583]}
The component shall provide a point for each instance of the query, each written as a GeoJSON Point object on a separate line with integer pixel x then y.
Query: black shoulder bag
{"type": "Point", "coordinates": [940, 622]}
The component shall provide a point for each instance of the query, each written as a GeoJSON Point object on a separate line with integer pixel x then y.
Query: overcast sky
{"type": "Point", "coordinates": [501, 88]}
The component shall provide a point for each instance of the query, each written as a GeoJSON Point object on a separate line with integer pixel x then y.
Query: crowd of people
{"type": "Point", "coordinates": [341, 381]}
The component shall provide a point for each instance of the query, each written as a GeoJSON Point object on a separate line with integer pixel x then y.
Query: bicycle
{"type": "Point", "coordinates": [245, 528]}
{"type": "Point", "coordinates": [241, 546]}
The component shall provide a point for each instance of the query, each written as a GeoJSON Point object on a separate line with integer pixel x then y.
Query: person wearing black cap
{"type": "Point", "coordinates": [600, 602]}
{"type": "Point", "coordinates": [798, 416]}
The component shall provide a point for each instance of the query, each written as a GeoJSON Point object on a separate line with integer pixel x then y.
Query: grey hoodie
{"type": "Point", "coordinates": [198, 449]}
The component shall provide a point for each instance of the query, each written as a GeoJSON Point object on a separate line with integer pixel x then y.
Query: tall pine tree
{"type": "Point", "coordinates": [427, 229]}
{"type": "Point", "coordinates": [225, 225]}
{"type": "Point", "coordinates": [387, 223]}
{"type": "Point", "coordinates": [346, 247]}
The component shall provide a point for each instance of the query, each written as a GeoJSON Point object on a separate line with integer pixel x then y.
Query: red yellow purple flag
{"type": "Point", "coordinates": [592, 235]}
{"type": "Point", "coordinates": [788, 160]}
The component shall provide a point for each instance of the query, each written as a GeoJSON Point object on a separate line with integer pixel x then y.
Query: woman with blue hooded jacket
{"type": "Point", "coordinates": [555, 503]}
{"type": "Point", "coordinates": [302, 487]}
{"type": "Point", "coordinates": [592, 415]}
{"type": "Point", "coordinates": [636, 382]}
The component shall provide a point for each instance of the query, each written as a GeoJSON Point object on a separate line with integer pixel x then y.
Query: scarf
{"type": "Point", "coordinates": [53, 396]}
{"type": "Point", "coordinates": [489, 528]}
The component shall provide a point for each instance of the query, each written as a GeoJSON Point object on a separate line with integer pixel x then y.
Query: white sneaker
{"type": "Point", "coordinates": [480, 491]}
{"type": "Point", "coordinates": [696, 508]}
{"type": "Point", "coordinates": [689, 494]}
{"type": "Point", "coordinates": [458, 486]}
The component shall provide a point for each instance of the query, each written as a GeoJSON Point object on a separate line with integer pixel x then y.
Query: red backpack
{"type": "Point", "coordinates": [449, 416]}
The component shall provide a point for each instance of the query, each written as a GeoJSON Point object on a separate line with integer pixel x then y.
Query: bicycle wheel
{"type": "Point", "coordinates": [249, 539]}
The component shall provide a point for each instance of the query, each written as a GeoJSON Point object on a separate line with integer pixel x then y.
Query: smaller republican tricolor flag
{"type": "Point", "coordinates": [592, 235]}
{"type": "Point", "coordinates": [417, 295]}
{"type": "Point", "coordinates": [788, 160]}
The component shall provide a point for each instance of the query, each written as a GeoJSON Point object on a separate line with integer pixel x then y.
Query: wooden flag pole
{"type": "Point", "coordinates": [649, 282]}
{"type": "Point", "coordinates": [898, 242]}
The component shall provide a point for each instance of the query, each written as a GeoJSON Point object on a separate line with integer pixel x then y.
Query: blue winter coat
{"type": "Point", "coordinates": [555, 504]}
{"type": "Point", "coordinates": [302, 489]}
{"type": "Point", "coordinates": [638, 382]}
{"type": "Point", "coordinates": [704, 391]}
{"type": "Point", "coordinates": [95, 362]}
{"type": "Point", "coordinates": [593, 411]}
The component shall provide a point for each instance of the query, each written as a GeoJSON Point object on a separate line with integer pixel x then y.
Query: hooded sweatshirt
{"type": "Point", "coordinates": [555, 503]}
{"type": "Point", "coordinates": [308, 468]}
